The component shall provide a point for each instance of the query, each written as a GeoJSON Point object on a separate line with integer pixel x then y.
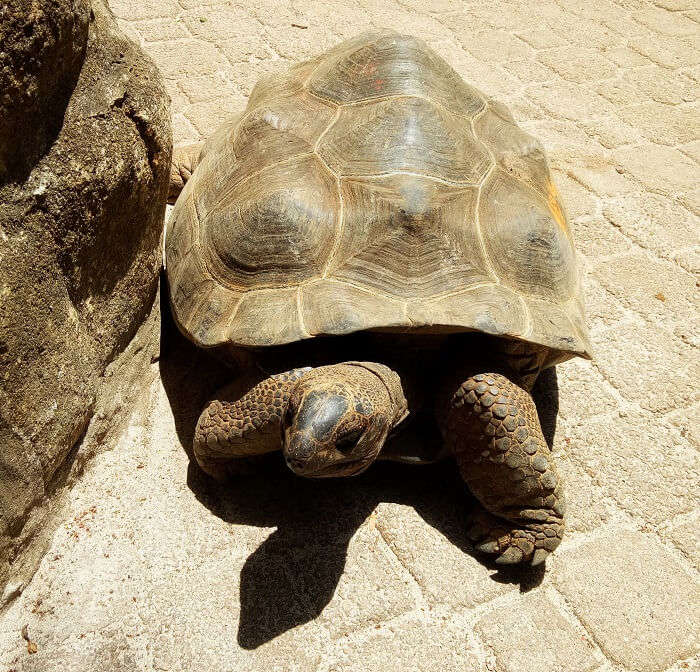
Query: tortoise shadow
{"type": "Point", "coordinates": [291, 577]}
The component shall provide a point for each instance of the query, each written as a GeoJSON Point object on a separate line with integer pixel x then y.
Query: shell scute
{"type": "Point", "coordinates": [404, 134]}
{"type": "Point", "coordinates": [383, 66]}
{"type": "Point", "coordinates": [407, 236]}
{"type": "Point", "coordinates": [276, 231]}
{"type": "Point", "coordinates": [528, 249]}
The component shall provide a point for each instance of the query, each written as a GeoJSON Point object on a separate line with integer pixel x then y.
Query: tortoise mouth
{"type": "Point", "coordinates": [334, 470]}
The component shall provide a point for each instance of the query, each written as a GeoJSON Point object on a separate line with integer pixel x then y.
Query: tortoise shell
{"type": "Point", "coordinates": [372, 188]}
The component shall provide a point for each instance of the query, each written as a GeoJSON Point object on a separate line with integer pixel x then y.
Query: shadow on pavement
{"type": "Point", "coordinates": [290, 578]}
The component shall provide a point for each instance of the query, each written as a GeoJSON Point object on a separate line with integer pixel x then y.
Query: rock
{"type": "Point", "coordinates": [43, 46]}
{"type": "Point", "coordinates": [80, 227]}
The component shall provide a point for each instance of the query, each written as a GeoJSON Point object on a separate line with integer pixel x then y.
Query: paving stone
{"type": "Point", "coordinates": [687, 258]}
{"type": "Point", "coordinates": [233, 27]}
{"type": "Point", "coordinates": [565, 100]}
{"type": "Point", "coordinates": [587, 505]}
{"type": "Point", "coordinates": [183, 131]}
{"type": "Point", "coordinates": [685, 419]}
{"type": "Point", "coordinates": [597, 238]}
{"type": "Point", "coordinates": [533, 635]}
{"type": "Point", "coordinates": [664, 124]}
{"type": "Point", "coordinates": [659, 168]}
{"type": "Point", "coordinates": [684, 534]}
{"type": "Point", "coordinates": [690, 199]}
{"type": "Point", "coordinates": [583, 392]}
{"type": "Point", "coordinates": [530, 72]}
{"type": "Point", "coordinates": [210, 85]}
{"type": "Point", "coordinates": [658, 290]}
{"type": "Point", "coordinates": [584, 33]}
{"type": "Point", "coordinates": [666, 23]}
{"type": "Point", "coordinates": [643, 610]}
{"type": "Point", "coordinates": [602, 309]}
{"type": "Point", "coordinates": [541, 38]}
{"type": "Point", "coordinates": [578, 64]}
{"type": "Point", "coordinates": [192, 57]}
{"type": "Point", "coordinates": [373, 588]}
{"type": "Point", "coordinates": [435, 7]}
{"type": "Point", "coordinates": [626, 57]}
{"type": "Point", "coordinates": [578, 201]}
{"type": "Point", "coordinates": [562, 140]}
{"type": "Point", "coordinates": [249, 72]}
{"type": "Point", "coordinates": [648, 365]}
{"type": "Point", "coordinates": [208, 115]}
{"type": "Point", "coordinates": [445, 572]}
{"type": "Point", "coordinates": [675, 5]}
{"type": "Point", "coordinates": [160, 30]}
{"type": "Point", "coordinates": [692, 149]}
{"type": "Point", "coordinates": [147, 9]}
{"type": "Point", "coordinates": [334, 17]}
{"type": "Point", "coordinates": [645, 466]}
{"type": "Point", "coordinates": [413, 643]}
{"type": "Point", "coordinates": [663, 86]}
{"type": "Point", "coordinates": [495, 46]}
{"type": "Point", "coordinates": [669, 52]}
{"type": "Point", "coordinates": [490, 78]}
{"type": "Point", "coordinates": [603, 10]}
{"type": "Point", "coordinates": [460, 21]}
{"type": "Point", "coordinates": [653, 221]}
{"type": "Point", "coordinates": [620, 92]}
{"type": "Point", "coordinates": [190, 4]}
{"type": "Point", "coordinates": [178, 100]}
{"type": "Point", "coordinates": [611, 132]}
{"type": "Point", "coordinates": [522, 108]}
{"type": "Point", "coordinates": [603, 177]}
{"type": "Point", "coordinates": [623, 23]}
{"type": "Point", "coordinates": [390, 15]}
{"type": "Point", "coordinates": [502, 14]}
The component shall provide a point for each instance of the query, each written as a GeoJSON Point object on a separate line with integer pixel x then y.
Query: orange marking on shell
{"type": "Point", "coordinates": [555, 206]}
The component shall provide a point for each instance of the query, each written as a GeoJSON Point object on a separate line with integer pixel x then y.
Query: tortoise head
{"type": "Point", "coordinates": [338, 418]}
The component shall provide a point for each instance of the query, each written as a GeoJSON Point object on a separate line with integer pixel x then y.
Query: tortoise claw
{"type": "Point", "coordinates": [511, 556]}
{"type": "Point", "coordinates": [488, 547]}
{"type": "Point", "coordinates": [538, 557]}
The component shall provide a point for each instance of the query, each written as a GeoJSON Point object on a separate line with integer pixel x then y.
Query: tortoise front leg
{"type": "Point", "coordinates": [182, 165]}
{"type": "Point", "coordinates": [233, 427]}
{"type": "Point", "coordinates": [494, 432]}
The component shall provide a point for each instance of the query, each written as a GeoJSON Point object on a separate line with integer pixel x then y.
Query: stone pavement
{"type": "Point", "coordinates": [153, 568]}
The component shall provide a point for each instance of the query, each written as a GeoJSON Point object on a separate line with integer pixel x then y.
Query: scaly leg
{"type": "Point", "coordinates": [231, 428]}
{"type": "Point", "coordinates": [492, 427]}
{"type": "Point", "coordinates": [182, 165]}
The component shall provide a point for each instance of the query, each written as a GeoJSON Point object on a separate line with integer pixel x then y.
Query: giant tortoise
{"type": "Point", "coordinates": [382, 250]}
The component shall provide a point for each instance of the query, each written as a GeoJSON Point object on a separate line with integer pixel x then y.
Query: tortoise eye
{"type": "Point", "coordinates": [347, 442]}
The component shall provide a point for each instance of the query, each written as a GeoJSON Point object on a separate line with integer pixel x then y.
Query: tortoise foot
{"type": "Point", "coordinates": [513, 545]}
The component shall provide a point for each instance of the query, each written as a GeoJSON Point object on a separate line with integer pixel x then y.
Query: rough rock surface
{"type": "Point", "coordinates": [43, 45]}
{"type": "Point", "coordinates": [79, 241]}
{"type": "Point", "coordinates": [154, 568]}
